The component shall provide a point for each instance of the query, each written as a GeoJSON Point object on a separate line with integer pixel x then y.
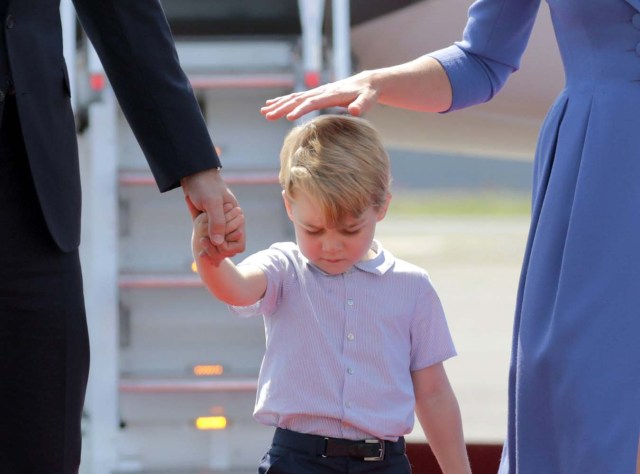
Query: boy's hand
{"type": "Point", "coordinates": [233, 244]}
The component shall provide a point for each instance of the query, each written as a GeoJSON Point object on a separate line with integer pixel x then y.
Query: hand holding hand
{"type": "Point", "coordinates": [207, 192]}
{"type": "Point", "coordinates": [357, 93]}
{"type": "Point", "coordinates": [204, 249]}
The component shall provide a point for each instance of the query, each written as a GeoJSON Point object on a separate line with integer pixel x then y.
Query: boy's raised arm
{"type": "Point", "coordinates": [439, 415]}
{"type": "Point", "coordinates": [238, 286]}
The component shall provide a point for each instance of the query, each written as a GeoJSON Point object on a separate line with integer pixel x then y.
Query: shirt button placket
{"type": "Point", "coordinates": [350, 337]}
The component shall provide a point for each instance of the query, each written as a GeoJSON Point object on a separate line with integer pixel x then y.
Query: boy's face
{"type": "Point", "coordinates": [333, 249]}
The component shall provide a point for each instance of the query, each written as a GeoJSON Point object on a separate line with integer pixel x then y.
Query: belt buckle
{"type": "Point", "coordinates": [324, 451]}
{"type": "Point", "coordinates": [380, 456]}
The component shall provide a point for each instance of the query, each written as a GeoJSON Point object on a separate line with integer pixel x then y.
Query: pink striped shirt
{"type": "Point", "coordinates": [340, 349]}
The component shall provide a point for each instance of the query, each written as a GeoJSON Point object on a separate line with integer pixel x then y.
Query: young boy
{"type": "Point", "coordinates": [355, 338]}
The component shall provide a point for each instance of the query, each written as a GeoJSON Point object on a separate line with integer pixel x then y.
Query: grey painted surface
{"type": "Point", "coordinates": [432, 171]}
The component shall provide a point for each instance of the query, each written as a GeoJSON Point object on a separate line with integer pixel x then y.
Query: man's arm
{"type": "Point", "coordinates": [136, 48]}
{"type": "Point", "coordinates": [439, 415]}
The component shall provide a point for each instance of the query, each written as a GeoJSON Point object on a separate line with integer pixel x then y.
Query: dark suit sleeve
{"type": "Point", "coordinates": [134, 43]}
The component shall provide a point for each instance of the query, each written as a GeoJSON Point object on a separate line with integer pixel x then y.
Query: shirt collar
{"type": "Point", "coordinates": [380, 263]}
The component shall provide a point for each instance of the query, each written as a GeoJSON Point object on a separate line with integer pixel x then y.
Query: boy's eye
{"type": "Point", "coordinates": [312, 232]}
{"type": "Point", "coordinates": [350, 231]}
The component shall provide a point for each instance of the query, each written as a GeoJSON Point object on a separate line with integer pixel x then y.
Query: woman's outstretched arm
{"type": "Point", "coordinates": [421, 84]}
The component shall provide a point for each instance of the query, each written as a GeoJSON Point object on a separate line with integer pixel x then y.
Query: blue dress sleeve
{"type": "Point", "coordinates": [493, 41]}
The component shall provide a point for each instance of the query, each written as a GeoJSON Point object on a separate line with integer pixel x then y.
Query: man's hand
{"type": "Point", "coordinates": [207, 192]}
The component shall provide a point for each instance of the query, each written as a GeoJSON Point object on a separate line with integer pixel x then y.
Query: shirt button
{"type": "Point", "coordinates": [350, 371]}
{"type": "Point", "coordinates": [10, 22]}
{"type": "Point", "coordinates": [635, 20]}
{"type": "Point", "coordinates": [348, 404]}
{"type": "Point", "coordinates": [351, 337]}
{"type": "Point", "coordinates": [350, 302]}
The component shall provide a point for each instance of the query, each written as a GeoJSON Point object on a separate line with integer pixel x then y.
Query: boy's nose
{"type": "Point", "coordinates": [331, 245]}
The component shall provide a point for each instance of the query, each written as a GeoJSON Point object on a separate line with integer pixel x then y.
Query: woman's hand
{"type": "Point", "coordinates": [356, 93]}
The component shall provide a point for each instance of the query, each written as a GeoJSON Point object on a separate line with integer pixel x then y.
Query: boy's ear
{"type": "Point", "coordinates": [382, 210]}
{"type": "Point", "coordinates": [287, 204]}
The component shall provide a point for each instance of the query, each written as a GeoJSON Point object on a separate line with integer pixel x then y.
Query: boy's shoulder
{"type": "Point", "coordinates": [411, 272]}
{"type": "Point", "coordinates": [404, 266]}
{"type": "Point", "coordinates": [398, 265]}
{"type": "Point", "coordinates": [400, 277]}
{"type": "Point", "coordinates": [400, 268]}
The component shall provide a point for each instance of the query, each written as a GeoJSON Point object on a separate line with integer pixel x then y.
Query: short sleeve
{"type": "Point", "coordinates": [430, 337]}
{"type": "Point", "coordinates": [275, 266]}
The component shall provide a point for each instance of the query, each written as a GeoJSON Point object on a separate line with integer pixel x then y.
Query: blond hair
{"type": "Point", "coordinates": [338, 161]}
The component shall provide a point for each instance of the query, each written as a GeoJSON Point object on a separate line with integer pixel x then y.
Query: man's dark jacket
{"type": "Point", "coordinates": [135, 45]}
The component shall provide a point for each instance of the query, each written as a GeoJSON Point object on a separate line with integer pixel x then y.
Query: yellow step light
{"type": "Point", "coordinates": [208, 423]}
{"type": "Point", "coordinates": [208, 370]}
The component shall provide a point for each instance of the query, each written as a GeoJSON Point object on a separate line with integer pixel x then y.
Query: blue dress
{"type": "Point", "coordinates": [574, 389]}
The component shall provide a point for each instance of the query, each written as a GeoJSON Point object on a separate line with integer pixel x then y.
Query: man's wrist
{"type": "Point", "coordinates": [216, 169]}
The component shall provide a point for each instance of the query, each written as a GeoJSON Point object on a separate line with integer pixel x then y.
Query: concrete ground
{"type": "Point", "coordinates": [474, 263]}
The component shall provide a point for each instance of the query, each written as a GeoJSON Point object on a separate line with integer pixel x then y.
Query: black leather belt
{"type": "Point", "coordinates": [365, 450]}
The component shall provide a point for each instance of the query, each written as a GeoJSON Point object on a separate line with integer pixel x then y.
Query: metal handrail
{"type": "Point", "coordinates": [220, 81]}
{"type": "Point", "coordinates": [149, 385]}
{"type": "Point", "coordinates": [141, 281]}
{"type": "Point", "coordinates": [145, 178]}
